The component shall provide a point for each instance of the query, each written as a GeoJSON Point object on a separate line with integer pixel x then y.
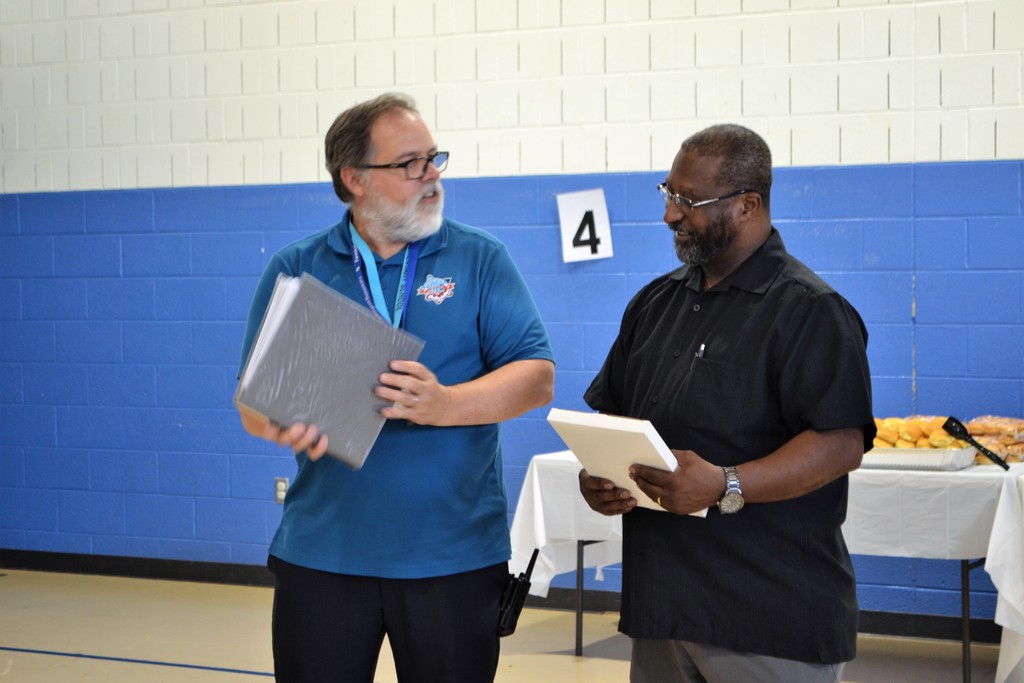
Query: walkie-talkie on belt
{"type": "Point", "coordinates": [514, 598]}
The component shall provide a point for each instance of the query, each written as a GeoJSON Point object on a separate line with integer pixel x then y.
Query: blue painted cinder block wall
{"type": "Point", "coordinates": [121, 315]}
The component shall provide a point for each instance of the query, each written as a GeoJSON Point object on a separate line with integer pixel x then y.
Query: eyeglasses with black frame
{"type": "Point", "coordinates": [416, 167]}
{"type": "Point", "coordinates": [680, 201]}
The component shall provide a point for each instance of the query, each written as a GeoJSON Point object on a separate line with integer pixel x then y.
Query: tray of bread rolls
{"type": "Point", "coordinates": [917, 442]}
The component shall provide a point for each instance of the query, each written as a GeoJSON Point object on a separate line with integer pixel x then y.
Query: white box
{"type": "Point", "coordinates": [607, 445]}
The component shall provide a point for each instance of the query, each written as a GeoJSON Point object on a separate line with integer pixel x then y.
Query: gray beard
{"type": "Point", "coordinates": [406, 223]}
{"type": "Point", "coordinates": [705, 246]}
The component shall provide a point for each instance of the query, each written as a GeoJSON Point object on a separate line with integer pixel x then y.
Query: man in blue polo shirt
{"type": "Point", "coordinates": [415, 544]}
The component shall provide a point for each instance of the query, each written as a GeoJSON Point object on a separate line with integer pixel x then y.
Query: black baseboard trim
{"type": "Point", "coordinates": [875, 623]}
{"type": "Point", "coordinates": [927, 626]}
{"type": "Point", "coordinates": [137, 567]}
{"type": "Point", "coordinates": [565, 598]}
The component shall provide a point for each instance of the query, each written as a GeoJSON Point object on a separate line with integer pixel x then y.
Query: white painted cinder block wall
{"type": "Point", "coordinates": [110, 94]}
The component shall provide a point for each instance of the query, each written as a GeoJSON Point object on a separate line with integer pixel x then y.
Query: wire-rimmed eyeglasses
{"type": "Point", "coordinates": [680, 201]}
{"type": "Point", "coordinates": [416, 167]}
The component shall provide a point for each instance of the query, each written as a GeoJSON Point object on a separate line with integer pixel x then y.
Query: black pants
{"type": "Point", "coordinates": [328, 628]}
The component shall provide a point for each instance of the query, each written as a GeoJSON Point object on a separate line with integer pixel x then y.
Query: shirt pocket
{"type": "Point", "coordinates": [714, 395]}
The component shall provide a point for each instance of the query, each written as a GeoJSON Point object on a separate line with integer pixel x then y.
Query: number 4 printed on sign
{"type": "Point", "coordinates": [586, 234]}
{"type": "Point", "coordinates": [586, 231]}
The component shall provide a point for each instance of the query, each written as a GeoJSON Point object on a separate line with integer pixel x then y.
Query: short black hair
{"type": "Point", "coordinates": [348, 140]}
{"type": "Point", "coordinates": [746, 159]}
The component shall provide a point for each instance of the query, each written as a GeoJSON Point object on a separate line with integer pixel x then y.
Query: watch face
{"type": "Point", "coordinates": [730, 503]}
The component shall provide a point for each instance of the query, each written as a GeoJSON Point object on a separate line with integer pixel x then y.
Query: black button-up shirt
{"type": "Point", "coordinates": [732, 374]}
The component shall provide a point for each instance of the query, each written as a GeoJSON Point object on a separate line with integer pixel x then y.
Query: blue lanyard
{"type": "Point", "coordinates": [374, 295]}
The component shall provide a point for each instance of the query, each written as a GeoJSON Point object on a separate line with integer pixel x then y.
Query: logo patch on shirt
{"type": "Point", "coordinates": [436, 289]}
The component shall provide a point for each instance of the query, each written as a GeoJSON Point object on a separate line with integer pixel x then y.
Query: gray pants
{"type": "Point", "coordinates": [678, 661]}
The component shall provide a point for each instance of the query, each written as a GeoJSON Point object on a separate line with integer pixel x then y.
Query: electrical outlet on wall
{"type": "Point", "coordinates": [280, 489]}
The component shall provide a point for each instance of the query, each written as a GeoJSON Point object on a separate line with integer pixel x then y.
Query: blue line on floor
{"type": "Point", "coordinates": [136, 661]}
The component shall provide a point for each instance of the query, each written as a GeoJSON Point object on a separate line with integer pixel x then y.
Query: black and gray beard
{"type": "Point", "coordinates": [406, 223]}
{"type": "Point", "coordinates": [706, 245]}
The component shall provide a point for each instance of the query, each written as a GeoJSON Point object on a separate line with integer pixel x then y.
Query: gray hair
{"type": "Point", "coordinates": [348, 140]}
{"type": "Point", "coordinates": [746, 159]}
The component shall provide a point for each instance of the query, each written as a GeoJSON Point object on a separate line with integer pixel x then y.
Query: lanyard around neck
{"type": "Point", "coordinates": [374, 295]}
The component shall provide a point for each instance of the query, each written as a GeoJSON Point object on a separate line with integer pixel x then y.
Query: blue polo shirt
{"type": "Point", "coordinates": [430, 501]}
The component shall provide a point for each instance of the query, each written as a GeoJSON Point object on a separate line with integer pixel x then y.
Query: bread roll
{"type": "Point", "coordinates": [927, 423]}
{"type": "Point", "coordinates": [1010, 428]}
{"type": "Point", "coordinates": [889, 436]}
{"type": "Point", "coordinates": [993, 443]}
{"type": "Point", "coordinates": [940, 439]}
{"type": "Point", "coordinates": [911, 431]}
{"type": "Point", "coordinates": [893, 423]}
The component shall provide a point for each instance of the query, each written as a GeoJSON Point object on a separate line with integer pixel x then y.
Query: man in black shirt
{"type": "Point", "coordinates": [755, 373]}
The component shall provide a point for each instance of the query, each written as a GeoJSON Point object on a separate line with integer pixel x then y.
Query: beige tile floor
{"type": "Point", "coordinates": [58, 628]}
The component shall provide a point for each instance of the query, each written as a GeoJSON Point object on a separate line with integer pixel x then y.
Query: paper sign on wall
{"type": "Point", "coordinates": [586, 231]}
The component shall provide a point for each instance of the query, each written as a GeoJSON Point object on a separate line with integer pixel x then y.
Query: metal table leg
{"type": "Point", "coordinates": [965, 617]}
{"type": "Point", "coordinates": [579, 594]}
{"type": "Point", "coordinates": [965, 613]}
{"type": "Point", "coordinates": [579, 598]}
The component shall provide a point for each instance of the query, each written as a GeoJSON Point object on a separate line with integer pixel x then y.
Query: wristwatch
{"type": "Point", "coordinates": [732, 501]}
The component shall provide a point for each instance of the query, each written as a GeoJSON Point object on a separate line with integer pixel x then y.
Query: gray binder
{"type": "Point", "coordinates": [316, 360]}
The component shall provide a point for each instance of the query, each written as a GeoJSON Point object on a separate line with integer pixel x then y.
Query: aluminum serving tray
{"type": "Point", "coordinates": [946, 459]}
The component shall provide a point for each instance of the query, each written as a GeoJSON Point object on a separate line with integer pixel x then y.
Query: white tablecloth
{"type": "Point", "coordinates": [1005, 564]}
{"type": "Point", "coordinates": [969, 514]}
{"type": "Point", "coordinates": [907, 513]}
{"type": "Point", "coordinates": [551, 515]}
